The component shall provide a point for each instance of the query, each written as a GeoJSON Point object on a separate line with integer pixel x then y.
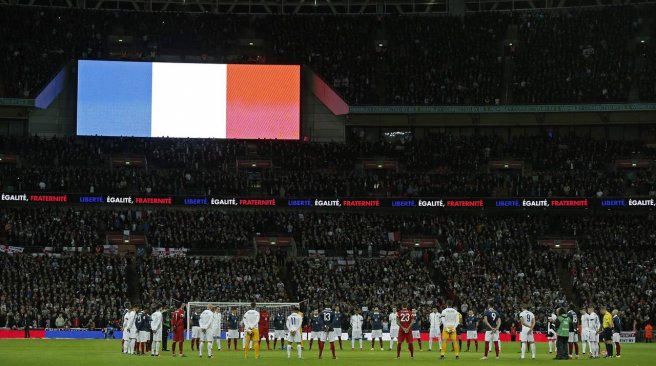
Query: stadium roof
{"type": "Point", "coordinates": [320, 6]}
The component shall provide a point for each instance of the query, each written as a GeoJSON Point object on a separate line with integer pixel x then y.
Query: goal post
{"type": "Point", "coordinates": [285, 308]}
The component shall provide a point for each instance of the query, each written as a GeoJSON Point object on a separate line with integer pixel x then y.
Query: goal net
{"type": "Point", "coordinates": [273, 308]}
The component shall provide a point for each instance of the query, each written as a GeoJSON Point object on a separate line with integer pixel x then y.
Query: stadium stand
{"type": "Point", "coordinates": [228, 279]}
{"type": "Point", "coordinates": [80, 291]}
{"type": "Point", "coordinates": [438, 60]}
{"type": "Point", "coordinates": [568, 166]}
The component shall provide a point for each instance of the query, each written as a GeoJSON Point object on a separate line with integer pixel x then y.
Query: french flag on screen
{"type": "Point", "coordinates": [188, 100]}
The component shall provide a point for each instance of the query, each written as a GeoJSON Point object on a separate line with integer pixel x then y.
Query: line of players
{"type": "Point", "coordinates": [591, 331]}
{"type": "Point", "coordinates": [326, 327]}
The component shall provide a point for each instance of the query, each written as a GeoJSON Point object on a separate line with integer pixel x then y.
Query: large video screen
{"type": "Point", "coordinates": [155, 99]}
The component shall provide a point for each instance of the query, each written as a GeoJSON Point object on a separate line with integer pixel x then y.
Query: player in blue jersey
{"type": "Point", "coordinates": [279, 324]}
{"type": "Point", "coordinates": [195, 330]}
{"type": "Point", "coordinates": [376, 321]}
{"type": "Point", "coordinates": [492, 322]}
{"type": "Point", "coordinates": [315, 327]}
{"type": "Point", "coordinates": [573, 333]}
{"type": "Point", "coordinates": [471, 324]}
{"type": "Point", "coordinates": [328, 335]}
{"type": "Point", "coordinates": [337, 325]}
{"type": "Point", "coordinates": [233, 328]}
{"type": "Point", "coordinates": [617, 330]}
{"type": "Point", "coordinates": [416, 328]}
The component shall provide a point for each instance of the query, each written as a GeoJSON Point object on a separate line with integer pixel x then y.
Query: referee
{"type": "Point", "coordinates": [607, 332]}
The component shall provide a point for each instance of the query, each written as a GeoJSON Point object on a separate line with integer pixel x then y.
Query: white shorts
{"type": "Point", "coordinates": [292, 338]}
{"type": "Point", "coordinates": [416, 334]}
{"type": "Point", "coordinates": [616, 337]}
{"type": "Point", "coordinates": [434, 333]}
{"type": "Point", "coordinates": [195, 332]}
{"type": "Point", "coordinates": [206, 336]}
{"type": "Point", "coordinates": [472, 334]}
{"type": "Point", "coordinates": [338, 332]}
{"type": "Point", "coordinates": [526, 336]}
{"type": "Point", "coordinates": [157, 336]}
{"type": "Point", "coordinates": [394, 332]}
{"type": "Point", "coordinates": [279, 334]}
{"type": "Point", "coordinates": [573, 337]}
{"type": "Point", "coordinates": [593, 336]}
{"type": "Point", "coordinates": [356, 334]}
{"type": "Point", "coordinates": [133, 333]}
{"type": "Point", "coordinates": [126, 335]}
{"type": "Point", "coordinates": [327, 336]}
{"type": "Point", "coordinates": [376, 333]}
{"type": "Point", "coordinates": [216, 332]}
{"type": "Point", "coordinates": [233, 334]}
{"type": "Point", "coordinates": [143, 336]}
{"type": "Point", "coordinates": [585, 335]}
{"type": "Point", "coordinates": [491, 336]}
{"type": "Point", "coordinates": [315, 335]}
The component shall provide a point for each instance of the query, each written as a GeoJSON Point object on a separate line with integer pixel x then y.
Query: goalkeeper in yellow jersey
{"type": "Point", "coordinates": [251, 321]}
{"type": "Point", "coordinates": [450, 320]}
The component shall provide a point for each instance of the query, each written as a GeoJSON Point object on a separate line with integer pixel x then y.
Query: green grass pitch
{"type": "Point", "coordinates": [107, 352]}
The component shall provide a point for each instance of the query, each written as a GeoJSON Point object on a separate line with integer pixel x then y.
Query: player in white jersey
{"type": "Point", "coordinates": [393, 328]}
{"type": "Point", "coordinates": [356, 328]}
{"type": "Point", "coordinates": [551, 332]}
{"type": "Point", "coordinates": [435, 319]}
{"type": "Point", "coordinates": [594, 327]}
{"type": "Point", "coordinates": [125, 343]}
{"type": "Point", "coordinates": [294, 323]}
{"type": "Point", "coordinates": [584, 329]}
{"type": "Point", "coordinates": [526, 336]}
{"type": "Point", "coordinates": [450, 321]}
{"type": "Point", "coordinates": [132, 329]}
{"type": "Point", "coordinates": [206, 335]}
{"type": "Point", "coordinates": [215, 327]}
{"type": "Point", "coordinates": [251, 330]}
{"type": "Point", "coordinates": [156, 328]}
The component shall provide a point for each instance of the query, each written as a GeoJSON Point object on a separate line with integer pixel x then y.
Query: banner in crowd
{"type": "Point", "coordinates": [388, 253]}
{"type": "Point", "coordinates": [426, 203]}
{"type": "Point", "coordinates": [316, 253]}
{"type": "Point", "coordinates": [10, 250]}
{"type": "Point", "coordinates": [170, 252]}
{"type": "Point", "coordinates": [627, 337]}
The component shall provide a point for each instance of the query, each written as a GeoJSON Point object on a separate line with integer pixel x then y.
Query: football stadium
{"type": "Point", "coordinates": [347, 182]}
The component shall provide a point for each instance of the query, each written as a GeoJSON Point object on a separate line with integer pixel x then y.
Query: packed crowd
{"type": "Point", "coordinates": [80, 291]}
{"type": "Point", "coordinates": [508, 277]}
{"type": "Point", "coordinates": [457, 166]}
{"type": "Point", "coordinates": [620, 247]}
{"type": "Point", "coordinates": [477, 258]}
{"type": "Point", "coordinates": [613, 276]}
{"type": "Point", "coordinates": [559, 61]}
{"type": "Point", "coordinates": [210, 279]}
{"type": "Point", "coordinates": [454, 60]}
{"type": "Point", "coordinates": [219, 229]}
{"type": "Point", "coordinates": [419, 60]}
{"type": "Point", "coordinates": [364, 282]}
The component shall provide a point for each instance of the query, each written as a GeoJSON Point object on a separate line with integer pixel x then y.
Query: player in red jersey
{"type": "Point", "coordinates": [263, 328]}
{"type": "Point", "coordinates": [177, 324]}
{"type": "Point", "coordinates": [405, 318]}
